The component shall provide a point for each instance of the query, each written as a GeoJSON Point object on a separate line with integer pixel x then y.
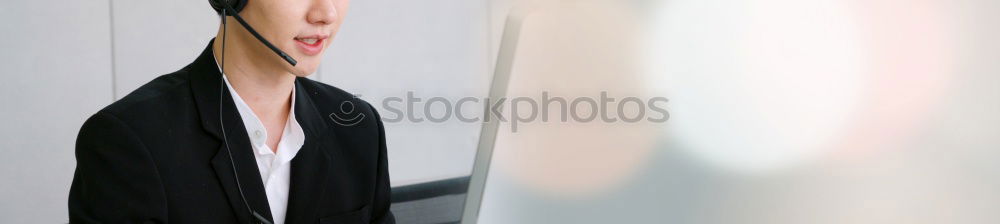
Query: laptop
{"type": "Point", "coordinates": [488, 133]}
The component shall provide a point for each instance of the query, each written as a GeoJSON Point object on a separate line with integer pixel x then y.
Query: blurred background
{"type": "Point", "coordinates": [781, 111]}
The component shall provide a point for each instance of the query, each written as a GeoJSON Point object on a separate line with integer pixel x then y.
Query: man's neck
{"type": "Point", "coordinates": [267, 90]}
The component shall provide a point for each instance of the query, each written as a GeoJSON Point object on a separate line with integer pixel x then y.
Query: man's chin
{"type": "Point", "coordinates": [302, 71]}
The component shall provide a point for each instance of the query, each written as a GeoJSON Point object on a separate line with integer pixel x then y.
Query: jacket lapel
{"type": "Point", "coordinates": [206, 83]}
{"type": "Point", "coordinates": [311, 165]}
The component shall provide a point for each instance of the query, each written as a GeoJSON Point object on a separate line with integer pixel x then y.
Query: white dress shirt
{"type": "Point", "coordinates": [275, 168]}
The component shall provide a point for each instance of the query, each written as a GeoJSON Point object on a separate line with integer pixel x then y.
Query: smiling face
{"type": "Point", "coordinates": [301, 28]}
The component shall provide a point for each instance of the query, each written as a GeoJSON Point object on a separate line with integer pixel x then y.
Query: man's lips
{"type": "Point", "coordinates": [311, 45]}
{"type": "Point", "coordinates": [309, 41]}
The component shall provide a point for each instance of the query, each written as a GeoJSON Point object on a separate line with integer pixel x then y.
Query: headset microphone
{"type": "Point", "coordinates": [235, 13]}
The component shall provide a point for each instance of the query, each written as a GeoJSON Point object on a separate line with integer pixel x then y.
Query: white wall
{"type": "Point", "coordinates": [64, 61]}
{"type": "Point", "coordinates": [57, 71]}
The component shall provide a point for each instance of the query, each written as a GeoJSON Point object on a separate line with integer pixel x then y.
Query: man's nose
{"type": "Point", "coordinates": [322, 12]}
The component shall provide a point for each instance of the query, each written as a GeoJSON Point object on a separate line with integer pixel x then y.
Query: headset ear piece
{"type": "Point", "coordinates": [218, 5]}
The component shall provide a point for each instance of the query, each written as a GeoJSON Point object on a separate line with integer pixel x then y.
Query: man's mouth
{"type": "Point", "coordinates": [309, 41]}
{"type": "Point", "coordinates": [311, 45]}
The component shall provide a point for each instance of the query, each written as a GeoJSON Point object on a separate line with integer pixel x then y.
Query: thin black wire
{"type": "Point", "coordinates": [225, 140]}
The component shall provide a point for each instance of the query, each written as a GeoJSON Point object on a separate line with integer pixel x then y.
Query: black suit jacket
{"type": "Point", "coordinates": [157, 156]}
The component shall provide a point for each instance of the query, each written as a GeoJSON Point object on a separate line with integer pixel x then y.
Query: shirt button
{"type": "Point", "coordinates": [257, 134]}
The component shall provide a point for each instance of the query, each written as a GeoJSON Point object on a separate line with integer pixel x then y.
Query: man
{"type": "Point", "coordinates": [239, 135]}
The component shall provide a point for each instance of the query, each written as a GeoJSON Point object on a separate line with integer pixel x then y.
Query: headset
{"type": "Point", "coordinates": [233, 8]}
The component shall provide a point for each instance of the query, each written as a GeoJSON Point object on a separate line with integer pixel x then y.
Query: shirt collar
{"type": "Point", "coordinates": [292, 138]}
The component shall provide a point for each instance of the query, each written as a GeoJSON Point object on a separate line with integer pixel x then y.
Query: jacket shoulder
{"type": "Point", "coordinates": [324, 91]}
{"type": "Point", "coordinates": [326, 94]}
{"type": "Point", "coordinates": [341, 106]}
{"type": "Point", "coordinates": [155, 94]}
